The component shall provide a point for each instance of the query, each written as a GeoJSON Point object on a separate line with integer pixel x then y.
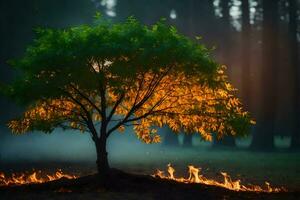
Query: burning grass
{"type": "Point", "coordinates": [32, 178]}
{"type": "Point", "coordinates": [196, 177]}
{"type": "Point", "coordinates": [122, 185]}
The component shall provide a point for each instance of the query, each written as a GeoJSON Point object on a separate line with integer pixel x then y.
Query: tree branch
{"type": "Point", "coordinates": [88, 118]}
{"type": "Point", "coordinates": [86, 98]}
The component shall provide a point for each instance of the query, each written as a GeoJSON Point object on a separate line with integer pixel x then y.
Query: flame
{"type": "Point", "coordinates": [195, 176]}
{"type": "Point", "coordinates": [34, 177]}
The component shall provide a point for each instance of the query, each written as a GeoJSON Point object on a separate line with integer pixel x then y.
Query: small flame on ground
{"type": "Point", "coordinates": [196, 177]}
{"type": "Point", "coordinates": [34, 177]}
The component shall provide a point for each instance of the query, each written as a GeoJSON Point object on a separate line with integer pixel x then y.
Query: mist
{"type": "Point", "coordinates": [71, 146]}
{"type": "Point", "coordinates": [75, 146]}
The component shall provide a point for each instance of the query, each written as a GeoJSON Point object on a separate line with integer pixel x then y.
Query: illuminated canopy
{"type": "Point", "coordinates": [123, 75]}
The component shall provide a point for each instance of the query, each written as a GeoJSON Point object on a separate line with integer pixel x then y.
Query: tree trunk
{"type": "Point", "coordinates": [264, 135]}
{"type": "Point", "coordinates": [295, 139]}
{"type": "Point", "coordinates": [294, 57]}
{"type": "Point", "coordinates": [170, 139]}
{"type": "Point", "coordinates": [192, 17]}
{"type": "Point", "coordinates": [246, 80]}
{"type": "Point", "coordinates": [226, 41]}
{"type": "Point", "coordinates": [102, 159]}
{"type": "Point", "coordinates": [227, 141]}
{"type": "Point", "coordinates": [187, 140]}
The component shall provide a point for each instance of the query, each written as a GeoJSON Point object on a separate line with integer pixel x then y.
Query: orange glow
{"type": "Point", "coordinates": [34, 177]}
{"type": "Point", "coordinates": [196, 177]}
{"type": "Point", "coordinates": [152, 99]}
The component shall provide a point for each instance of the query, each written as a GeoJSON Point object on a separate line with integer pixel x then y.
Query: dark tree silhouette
{"type": "Point", "coordinates": [13, 38]}
{"type": "Point", "coordinates": [294, 57]}
{"type": "Point", "coordinates": [227, 141]}
{"type": "Point", "coordinates": [187, 140]}
{"type": "Point", "coordinates": [18, 18]}
{"type": "Point", "coordinates": [246, 35]}
{"type": "Point", "coordinates": [191, 11]}
{"type": "Point", "coordinates": [264, 135]}
{"type": "Point", "coordinates": [226, 30]}
{"type": "Point", "coordinates": [170, 139]}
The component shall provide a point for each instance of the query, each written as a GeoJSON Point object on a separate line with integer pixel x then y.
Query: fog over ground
{"type": "Point", "coordinates": [66, 146]}
{"type": "Point", "coordinates": [79, 147]}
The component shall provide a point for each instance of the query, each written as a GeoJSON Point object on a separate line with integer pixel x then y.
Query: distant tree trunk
{"type": "Point", "coordinates": [228, 141]}
{"type": "Point", "coordinates": [264, 135]}
{"type": "Point", "coordinates": [246, 30]}
{"type": "Point", "coordinates": [187, 140]}
{"type": "Point", "coordinates": [192, 17]}
{"type": "Point", "coordinates": [226, 27]}
{"type": "Point", "coordinates": [294, 56]}
{"type": "Point", "coordinates": [170, 138]}
{"type": "Point", "coordinates": [9, 28]}
{"type": "Point", "coordinates": [210, 32]}
{"type": "Point", "coordinates": [4, 46]}
{"type": "Point", "coordinates": [191, 14]}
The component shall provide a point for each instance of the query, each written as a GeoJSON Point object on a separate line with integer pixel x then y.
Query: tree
{"type": "Point", "coordinates": [246, 29]}
{"type": "Point", "coordinates": [190, 15]}
{"type": "Point", "coordinates": [104, 77]}
{"type": "Point", "coordinates": [228, 141]}
{"type": "Point", "coordinates": [264, 136]}
{"type": "Point", "coordinates": [187, 140]}
{"type": "Point", "coordinates": [226, 27]}
{"type": "Point", "coordinates": [294, 56]}
{"type": "Point", "coordinates": [170, 139]}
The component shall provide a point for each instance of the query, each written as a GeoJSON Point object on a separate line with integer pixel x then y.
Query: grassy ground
{"type": "Point", "coordinates": [281, 169]}
{"type": "Point", "coordinates": [278, 168]}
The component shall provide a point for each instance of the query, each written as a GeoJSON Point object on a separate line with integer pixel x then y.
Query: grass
{"type": "Point", "coordinates": [278, 168]}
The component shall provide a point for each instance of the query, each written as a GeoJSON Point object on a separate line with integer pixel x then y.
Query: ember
{"type": "Point", "coordinates": [34, 177]}
{"type": "Point", "coordinates": [196, 177]}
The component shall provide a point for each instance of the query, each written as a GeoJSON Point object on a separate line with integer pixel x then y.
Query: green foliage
{"type": "Point", "coordinates": [85, 75]}
{"type": "Point", "coordinates": [66, 53]}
